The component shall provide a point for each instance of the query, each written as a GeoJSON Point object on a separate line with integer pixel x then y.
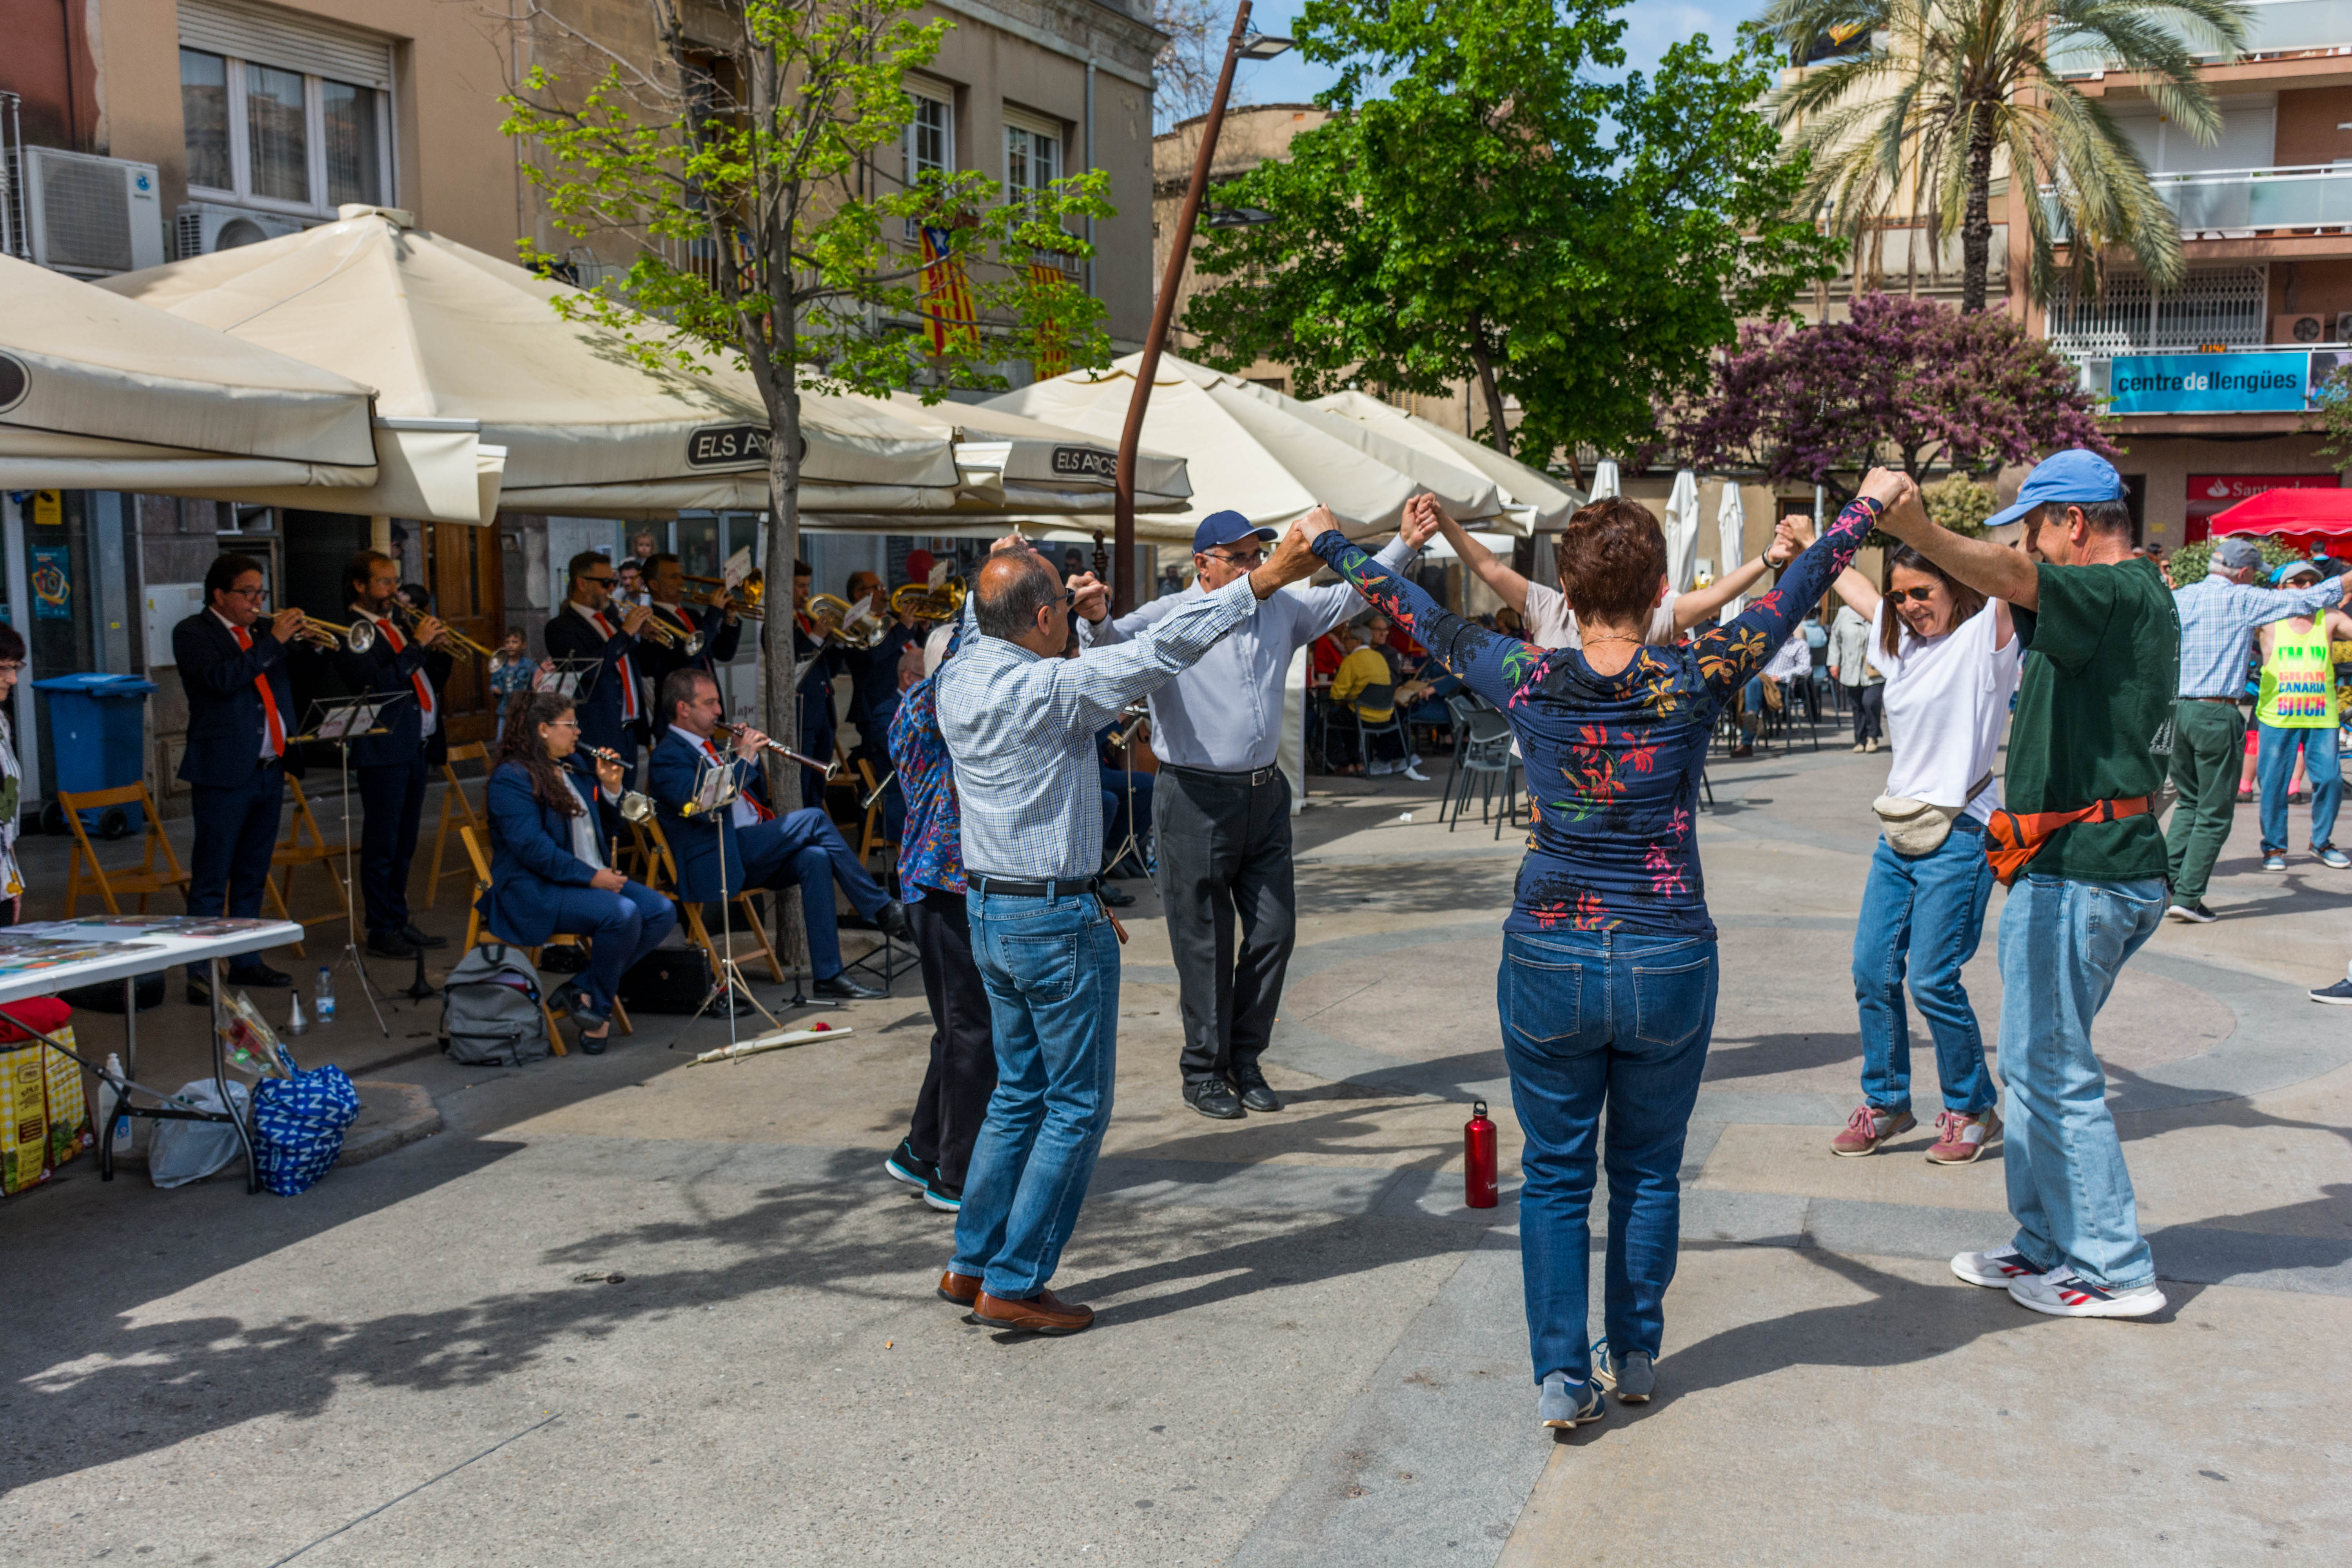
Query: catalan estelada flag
{"type": "Point", "coordinates": [1051, 362]}
{"type": "Point", "coordinates": [947, 307]}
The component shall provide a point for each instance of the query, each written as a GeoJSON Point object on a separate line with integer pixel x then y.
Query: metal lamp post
{"type": "Point", "coordinates": [1241, 45]}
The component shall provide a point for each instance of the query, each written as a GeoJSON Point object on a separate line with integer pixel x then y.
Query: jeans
{"type": "Point", "coordinates": [1051, 970]}
{"type": "Point", "coordinates": [2274, 769]}
{"type": "Point", "coordinates": [954, 1101]}
{"type": "Point", "coordinates": [621, 927]}
{"type": "Point", "coordinates": [1927, 914]}
{"type": "Point", "coordinates": [2061, 945]}
{"type": "Point", "coordinates": [1224, 862]}
{"type": "Point", "coordinates": [2209, 743]}
{"type": "Point", "coordinates": [1593, 1019]}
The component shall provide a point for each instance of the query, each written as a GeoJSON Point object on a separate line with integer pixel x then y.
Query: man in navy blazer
{"type": "Point", "coordinates": [240, 712]}
{"type": "Point", "coordinates": [392, 766]}
{"type": "Point", "coordinates": [589, 626]}
{"type": "Point", "coordinates": [758, 848]}
{"type": "Point", "coordinates": [719, 625]}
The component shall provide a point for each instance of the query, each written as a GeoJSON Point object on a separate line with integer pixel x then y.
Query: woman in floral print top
{"type": "Point", "coordinates": [1608, 982]}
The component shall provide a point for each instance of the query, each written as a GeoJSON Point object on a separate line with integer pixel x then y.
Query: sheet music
{"type": "Point", "coordinates": [714, 788]}
{"type": "Point", "coordinates": [738, 567]}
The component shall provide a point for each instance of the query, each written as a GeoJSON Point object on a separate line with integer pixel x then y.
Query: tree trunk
{"type": "Point", "coordinates": [1975, 227]}
{"type": "Point", "coordinates": [1498, 434]}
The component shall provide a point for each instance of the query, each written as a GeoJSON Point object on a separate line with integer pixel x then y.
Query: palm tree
{"type": "Point", "coordinates": [1919, 116]}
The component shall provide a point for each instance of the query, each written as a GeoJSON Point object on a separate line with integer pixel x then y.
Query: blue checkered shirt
{"type": "Point", "coordinates": [2217, 622]}
{"type": "Point", "coordinates": [1022, 729]}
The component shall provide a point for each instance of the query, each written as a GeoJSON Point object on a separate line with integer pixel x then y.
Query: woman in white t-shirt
{"type": "Point", "coordinates": [1952, 660]}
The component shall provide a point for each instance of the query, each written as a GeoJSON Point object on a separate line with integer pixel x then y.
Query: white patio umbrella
{"type": "Point", "coordinates": [1605, 480]}
{"type": "Point", "coordinates": [1531, 499]}
{"type": "Point", "coordinates": [476, 346]}
{"type": "Point", "coordinates": [98, 393]}
{"type": "Point", "coordinates": [1012, 465]}
{"type": "Point", "coordinates": [1256, 451]}
{"type": "Point", "coordinates": [1682, 530]}
{"type": "Point", "coordinates": [1731, 529]}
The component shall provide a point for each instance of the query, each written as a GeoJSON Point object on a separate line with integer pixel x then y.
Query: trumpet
{"type": "Point", "coordinates": [921, 602]}
{"type": "Point", "coordinates": [661, 631]}
{"type": "Point", "coordinates": [358, 637]}
{"type": "Point", "coordinates": [408, 619]}
{"type": "Point", "coordinates": [725, 735]}
{"type": "Point", "coordinates": [748, 594]}
{"type": "Point", "coordinates": [830, 615]}
{"type": "Point", "coordinates": [734, 606]}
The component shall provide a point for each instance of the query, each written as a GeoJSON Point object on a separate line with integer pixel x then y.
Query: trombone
{"type": "Point", "coordinates": [921, 602]}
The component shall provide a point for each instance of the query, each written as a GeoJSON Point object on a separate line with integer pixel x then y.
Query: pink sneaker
{"type": "Point", "coordinates": [1960, 1139]}
{"type": "Point", "coordinates": [1869, 1127]}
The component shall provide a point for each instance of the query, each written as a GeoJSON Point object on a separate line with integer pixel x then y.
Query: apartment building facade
{"type": "Point", "coordinates": [134, 132]}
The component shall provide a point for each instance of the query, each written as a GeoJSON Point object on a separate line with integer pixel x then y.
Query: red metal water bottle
{"type": "Point", "coordinates": [1478, 1159]}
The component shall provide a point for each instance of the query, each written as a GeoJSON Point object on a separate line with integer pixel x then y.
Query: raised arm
{"type": "Point", "coordinates": [1490, 664]}
{"type": "Point", "coordinates": [1851, 586]}
{"type": "Point", "coordinates": [1996, 570]}
{"type": "Point", "coordinates": [1507, 584]}
{"type": "Point", "coordinates": [1701, 604]}
{"type": "Point", "coordinates": [1728, 654]}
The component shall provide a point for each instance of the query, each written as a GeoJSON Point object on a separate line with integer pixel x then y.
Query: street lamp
{"type": "Point", "coordinates": [1242, 45]}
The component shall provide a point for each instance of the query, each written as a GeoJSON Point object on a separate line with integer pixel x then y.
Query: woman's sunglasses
{"type": "Point", "coordinates": [1911, 595]}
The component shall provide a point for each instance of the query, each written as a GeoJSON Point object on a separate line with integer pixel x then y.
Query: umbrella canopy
{"type": "Point", "coordinates": [449, 335]}
{"type": "Point", "coordinates": [1731, 528]}
{"type": "Point", "coordinates": [2288, 511]}
{"type": "Point", "coordinates": [98, 393]}
{"type": "Point", "coordinates": [1682, 530]}
{"type": "Point", "coordinates": [1011, 464]}
{"type": "Point", "coordinates": [1531, 499]}
{"type": "Point", "coordinates": [1265, 455]}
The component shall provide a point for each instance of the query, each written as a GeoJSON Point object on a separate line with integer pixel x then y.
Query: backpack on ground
{"type": "Point", "coordinates": [491, 1009]}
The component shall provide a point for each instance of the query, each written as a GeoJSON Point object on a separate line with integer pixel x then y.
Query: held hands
{"type": "Point", "coordinates": [1907, 511]}
{"type": "Point", "coordinates": [608, 880]}
{"type": "Point", "coordinates": [1294, 560]}
{"type": "Point", "coordinates": [1422, 518]}
{"type": "Point", "coordinates": [1791, 538]}
{"type": "Point", "coordinates": [1093, 602]}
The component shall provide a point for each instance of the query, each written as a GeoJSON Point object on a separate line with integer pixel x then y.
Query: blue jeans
{"type": "Point", "coordinates": [2061, 945]}
{"type": "Point", "coordinates": [1925, 914]}
{"type": "Point", "coordinates": [2274, 757]}
{"type": "Point", "coordinates": [621, 927]}
{"type": "Point", "coordinates": [1051, 970]}
{"type": "Point", "coordinates": [1593, 1019]}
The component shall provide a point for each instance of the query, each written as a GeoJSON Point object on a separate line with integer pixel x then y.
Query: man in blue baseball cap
{"type": "Point", "coordinates": [2085, 865]}
{"type": "Point", "coordinates": [1220, 807]}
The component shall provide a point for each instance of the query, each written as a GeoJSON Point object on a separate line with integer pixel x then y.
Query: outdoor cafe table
{"type": "Point", "coordinates": [136, 945]}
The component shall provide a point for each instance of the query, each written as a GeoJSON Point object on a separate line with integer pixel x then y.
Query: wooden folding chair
{"type": "Point", "coordinates": [476, 932]}
{"type": "Point", "coordinates": [305, 845]}
{"type": "Point", "coordinates": [459, 808]}
{"type": "Point", "coordinates": [665, 867]}
{"type": "Point", "coordinates": [871, 837]}
{"type": "Point", "coordinates": [143, 881]}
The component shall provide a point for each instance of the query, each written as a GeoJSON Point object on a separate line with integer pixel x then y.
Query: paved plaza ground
{"type": "Point", "coordinates": [618, 1310]}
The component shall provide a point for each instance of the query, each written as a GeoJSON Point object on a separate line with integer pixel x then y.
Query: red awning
{"type": "Point", "coordinates": [2289, 512]}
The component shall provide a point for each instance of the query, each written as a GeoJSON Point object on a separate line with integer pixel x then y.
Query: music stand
{"type": "Point", "coordinates": [714, 791]}
{"type": "Point", "coordinates": [342, 719]}
{"type": "Point", "coordinates": [1131, 844]}
{"type": "Point", "coordinates": [572, 678]}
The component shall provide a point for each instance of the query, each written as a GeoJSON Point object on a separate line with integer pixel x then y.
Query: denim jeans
{"type": "Point", "coordinates": [1924, 913]}
{"type": "Point", "coordinates": [2061, 945]}
{"type": "Point", "coordinates": [2274, 769]}
{"type": "Point", "coordinates": [1595, 1019]}
{"type": "Point", "coordinates": [1051, 970]}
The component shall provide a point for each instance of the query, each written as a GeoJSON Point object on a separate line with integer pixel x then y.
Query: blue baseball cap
{"type": "Point", "coordinates": [2075, 476]}
{"type": "Point", "coordinates": [1227, 528]}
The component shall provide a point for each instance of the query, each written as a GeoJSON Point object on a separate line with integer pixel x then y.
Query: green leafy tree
{"type": "Point", "coordinates": [1484, 208]}
{"type": "Point", "coordinates": [1961, 504]}
{"type": "Point", "coordinates": [1938, 91]}
{"type": "Point", "coordinates": [2332, 407]}
{"type": "Point", "coordinates": [753, 166]}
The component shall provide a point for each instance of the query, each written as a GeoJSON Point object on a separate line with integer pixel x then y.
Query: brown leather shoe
{"type": "Point", "coordinates": [1044, 1313]}
{"type": "Point", "coordinates": [959, 1289]}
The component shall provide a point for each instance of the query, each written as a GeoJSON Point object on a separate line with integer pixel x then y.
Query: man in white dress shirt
{"type": "Point", "coordinates": [1221, 809]}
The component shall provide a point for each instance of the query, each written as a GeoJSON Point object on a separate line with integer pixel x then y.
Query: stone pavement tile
{"type": "Point", "coordinates": [1814, 1406]}
{"type": "Point", "coordinates": [1798, 1160]}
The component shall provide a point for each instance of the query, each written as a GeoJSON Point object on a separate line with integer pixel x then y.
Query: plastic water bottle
{"type": "Point", "coordinates": [323, 999]}
{"type": "Point", "coordinates": [124, 1126]}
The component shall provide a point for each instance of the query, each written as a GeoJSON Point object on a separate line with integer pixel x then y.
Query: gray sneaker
{"type": "Point", "coordinates": [1632, 1376]}
{"type": "Point", "coordinates": [1563, 1404]}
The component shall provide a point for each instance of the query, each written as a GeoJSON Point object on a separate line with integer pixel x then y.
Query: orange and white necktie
{"type": "Point", "coordinates": [758, 812]}
{"type": "Point", "coordinates": [628, 671]}
{"type": "Point", "coordinates": [268, 697]}
{"type": "Point", "coordinates": [392, 637]}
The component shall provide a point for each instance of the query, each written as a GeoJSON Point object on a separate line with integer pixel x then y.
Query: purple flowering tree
{"type": "Point", "coordinates": [1905, 382]}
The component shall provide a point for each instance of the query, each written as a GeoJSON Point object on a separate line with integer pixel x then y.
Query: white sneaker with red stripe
{"type": "Point", "coordinates": [2001, 1267]}
{"type": "Point", "coordinates": [2062, 1293]}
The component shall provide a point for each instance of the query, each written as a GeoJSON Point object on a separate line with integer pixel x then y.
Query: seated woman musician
{"type": "Point", "coordinates": [548, 860]}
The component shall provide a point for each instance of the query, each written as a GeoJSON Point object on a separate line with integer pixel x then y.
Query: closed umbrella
{"type": "Point", "coordinates": [1682, 530]}
{"type": "Point", "coordinates": [1605, 480]}
{"type": "Point", "coordinates": [1731, 529]}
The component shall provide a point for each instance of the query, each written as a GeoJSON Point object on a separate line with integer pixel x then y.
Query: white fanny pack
{"type": "Point", "coordinates": [1916, 827]}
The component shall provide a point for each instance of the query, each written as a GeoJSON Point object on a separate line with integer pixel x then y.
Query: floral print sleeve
{"type": "Point", "coordinates": [1612, 761]}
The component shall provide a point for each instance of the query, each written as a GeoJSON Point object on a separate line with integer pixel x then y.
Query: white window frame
{"type": "Point", "coordinates": [943, 97]}
{"type": "Point", "coordinates": [314, 131]}
{"type": "Point", "coordinates": [1022, 122]}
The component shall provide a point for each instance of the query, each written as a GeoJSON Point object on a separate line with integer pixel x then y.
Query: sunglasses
{"type": "Point", "coordinates": [1911, 595]}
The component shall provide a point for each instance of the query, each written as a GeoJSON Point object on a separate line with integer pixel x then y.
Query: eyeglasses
{"type": "Point", "coordinates": [1254, 558]}
{"type": "Point", "coordinates": [246, 592]}
{"type": "Point", "coordinates": [563, 723]}
{"type": "Point", "coordinates": [1912, 596]}
{"type": "Point", "coordinates": [12, 667]}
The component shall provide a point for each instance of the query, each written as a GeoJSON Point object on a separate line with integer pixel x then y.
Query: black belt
{"type": "Point", "coordinates": [1010, 887]}
{"type": "Point", "coordinates": [1254, 778]}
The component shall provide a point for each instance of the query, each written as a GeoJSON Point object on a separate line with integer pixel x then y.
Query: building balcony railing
{"type": "Point", "coordinates": [2276, 28]}
{"type": "Point", "coordinates": [2245, 201]}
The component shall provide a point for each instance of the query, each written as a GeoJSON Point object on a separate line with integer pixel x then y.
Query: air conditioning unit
{"type": "Point", "coordinates": [2344, 326]}
{"type": "Point", "coordinates": [202, 227]}
{"type": "Point", "coordinates": [91, 217]}
{"type": "Point", "coordinates": [2308, 327]}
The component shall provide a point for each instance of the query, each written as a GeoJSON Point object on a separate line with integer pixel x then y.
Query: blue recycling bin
{"type": "Point", "coordinates": [98, 733]}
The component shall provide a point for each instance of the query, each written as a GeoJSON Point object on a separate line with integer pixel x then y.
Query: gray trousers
{"type": "Point", "coordinates": [1224, 859]}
